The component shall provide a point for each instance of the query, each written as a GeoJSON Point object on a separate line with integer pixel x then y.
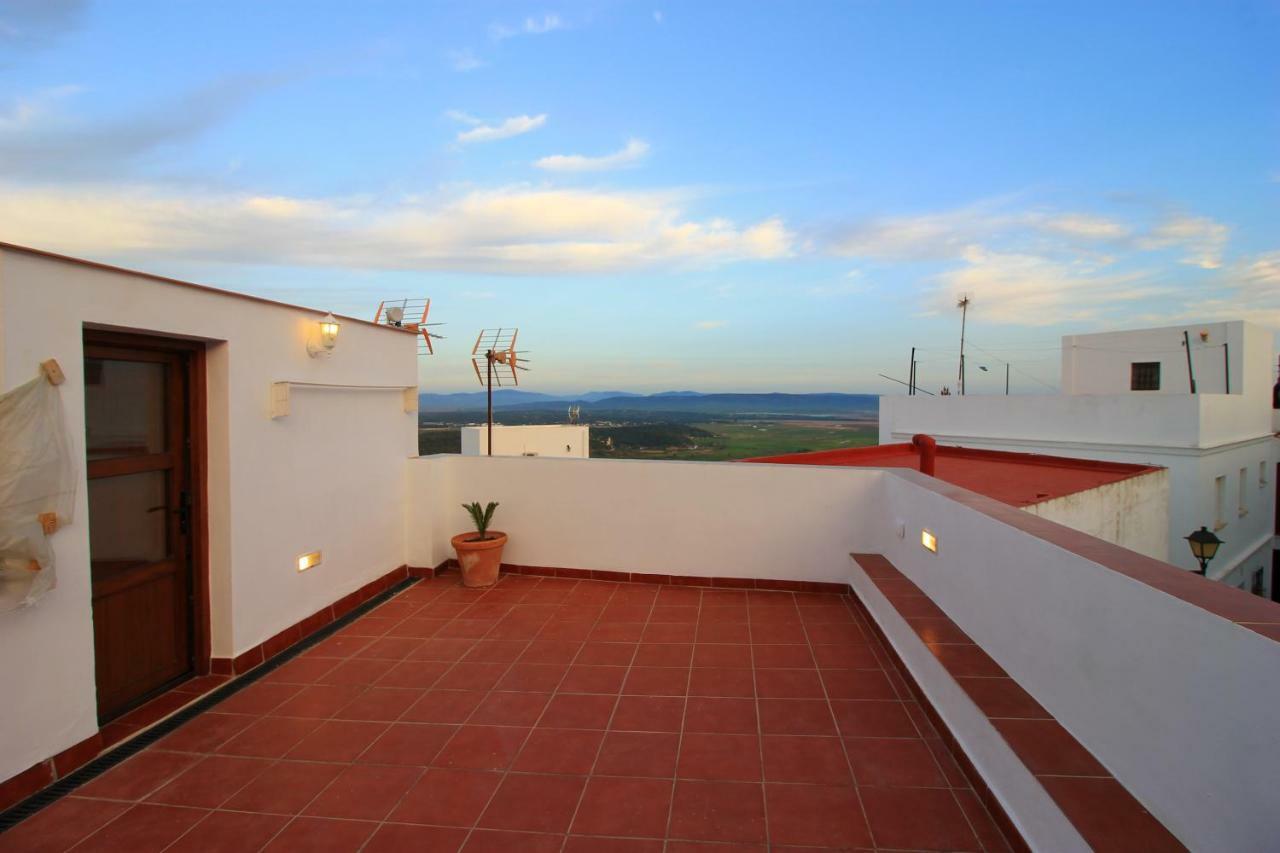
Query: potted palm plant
{"type": "Point", "coordinates": [480, 553]}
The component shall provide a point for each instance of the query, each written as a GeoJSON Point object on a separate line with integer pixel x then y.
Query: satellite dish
{"type": "Point", "coordinates": [395, 316]}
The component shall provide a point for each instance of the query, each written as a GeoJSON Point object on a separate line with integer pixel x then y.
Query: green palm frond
{"type": "Point", "coordinates": [481, 516]}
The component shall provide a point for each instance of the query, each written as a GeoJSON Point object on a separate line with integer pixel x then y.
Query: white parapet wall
{"type": "Point", "coordinates": [567, 441]}
{"type": "Point", "coordinates": [1133, 512]}
{"type": "Point", "coordinates": [705, 519]}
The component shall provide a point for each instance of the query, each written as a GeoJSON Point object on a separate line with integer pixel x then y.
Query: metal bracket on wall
{"type": "Point", "coordinates": [280, 394]}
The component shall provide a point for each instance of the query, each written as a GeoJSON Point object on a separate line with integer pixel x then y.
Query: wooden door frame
{"type": "Point", "coordinates": [198, 458]}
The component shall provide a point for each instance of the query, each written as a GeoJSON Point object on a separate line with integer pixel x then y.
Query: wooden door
{"type": "Point", "coordinates": [137, 417]}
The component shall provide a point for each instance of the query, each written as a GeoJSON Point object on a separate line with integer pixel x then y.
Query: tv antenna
{"type": "Point", "coordinates": [963, 305]}
{"type": "Point", "coordinates": [497, 349]}
{"type": "Point", "coordinates": [393, 312]}
{"type": "Point", "coordinates": [575, 413]}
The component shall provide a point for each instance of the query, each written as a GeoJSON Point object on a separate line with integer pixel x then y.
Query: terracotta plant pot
{"type": "Point", "coordinates": [479, 558]}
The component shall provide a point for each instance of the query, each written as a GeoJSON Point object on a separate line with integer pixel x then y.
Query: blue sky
{"type": "Point", "coordinates": [746, 196]}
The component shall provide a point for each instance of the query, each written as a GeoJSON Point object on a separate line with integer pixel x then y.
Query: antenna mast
{"type": "Point", "coordinates": [496, 347]}
{"type": "Point", "coordinates": [963, 305]}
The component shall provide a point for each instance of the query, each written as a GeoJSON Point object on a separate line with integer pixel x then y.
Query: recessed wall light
{"type": "Point", "coordinates": [929, 541]}
{"type": "Point", "coordinates": [308, 561]}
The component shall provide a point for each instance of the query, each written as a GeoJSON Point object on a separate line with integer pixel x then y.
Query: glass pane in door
{"type": "Point", "coordinates": [124, 408]}
{"type": "Point", "coordinates": [128, 519]}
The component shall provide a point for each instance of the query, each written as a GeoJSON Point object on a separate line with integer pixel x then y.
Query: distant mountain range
{"type": "Point", "coordinates": [667, 401]}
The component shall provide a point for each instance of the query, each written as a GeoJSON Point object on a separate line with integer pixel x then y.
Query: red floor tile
{"type": "Point", "coordinates": [379, 703]}
{"type": "Point", "coordinates": [578, 711]}
{"type": "Point", "coordinates": [721, 715]}
{"type": "Point", "coordinates": [472, 676]}
{"type": "Point", "coordinates": [782, 656]}
{"type": "Point", "coordinates": [270, 737]}
{"type": "Point", "coordinates": [651, 754]}
{"type": "Point", "coordinates": [447, 797]}
{"type": "Point", "coordinates": [718, 811]}
{"type": "Point", "coordinates": [648, 714]}
{"type": "Point", "coordinates": [817, 815]}
{"type": "Point", "coordinates": [205, 733]}
{"type": "Point", "coordinates": [407, 743]}
{"type": "Point", "coordinates": [593, 679]}
{"type": "Point", "coordinates": [143, 827]}
{"type": "Point", "coordinates": [721, 681]}
{"type": "Point", "coordinates": [364, 792]}
{"type": "Point", "coordinates": [722, 655]}
{"type": "Point", "coordinates": [534, 803]}
{"type": "Point", "coordinates": [664, 654]}
{"type": "Point", "coordinates": [669, 632]}
{"type": "Point", "coordinates": [606, 654]}
{"type": "Point", "coordinates": [635, 808]}
{"type": "Point", "coordinates": [482, 747]}
{"type": "Point", "coordinates": [445, 649]}
{"type": "Point", "coordinates": [917, 818]}
{"type": "Point", "coordinates": [723, 631]}
{"type": "Point", "coordinates": [873, 719]}
{"type": "Point", "coordinates": [986, 830]}
{"type": "Point", "coordinates": [59, 826]}
{"type": "Point", "coordinates": [284, 788]}
{"type": "Point", "coordinates": [229, 832]}
{"type": "Point", "coordinates": [897, 762]}
{"type": "Point", "coordinates": [656, 681]}
{"type": "Point", "coordinates": [796, 717]}
{"type": "Point", "coordinates": [1002, 697]}
{"type": "Point", "coordinates": [138, 776]}
{"type": "Point", "coordinates": [444, 706]}
{"type": "Point", "coordinates": [505, 841]}
{"type": "Point", "coordinates": [399, 837]}
{"type": "Point", "coordinates": [321, 835]}
{"type": "Point", "coordinates": [320, 700]}
{"type": "Point", "coordinates": [301, 670]}
{"type": "Point", "coordinates": [357, 671]}
{"type": "Point", "coordinates": [790, 758]}
{"type": "Point", "coordinates": [845, 656]}
{"type": "Point", "coordinates": [725, 757]}
{"type": "Point", "coordinates": [510, 709]}
{"type": "Point", "coordinates": [337, 740]}
{"type": "Point", "coordinates": [211, 782]}
{"type": "Point", "coordinates": [559, 751]}
{"type": "Point", "coordinates": [789, 684]}
{"type": "Point", "coordinates": [861, 685]}
{"type": "Point", "coordinates": [533, 677]}
{"type": "Point", "coordinates": [595, 844]}
{"type": "Point", "coordinates": [496, 651]}
{"type": "Point", "coordinates": [416, 674]}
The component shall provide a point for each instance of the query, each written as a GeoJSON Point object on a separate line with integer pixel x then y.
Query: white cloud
{"type": "Point", "coordinates": [710, 324]}
{"type": "Point", "coordinates": [514, 126]}
{"type": "Point", "coordinates": [512, 230]}
{"type": "Point", "coordinates": [633, 152]}
{"type": "Point", "coordinates": [1201, 238]}
{"type": "Point", "coordinates": [465, 60]}
{"type": "Point", "coordinates": [1031, 290]}
{"type": "Point", "coordinates": [530, 26]}
{"type": "Point", "coordinates": [852, 283]}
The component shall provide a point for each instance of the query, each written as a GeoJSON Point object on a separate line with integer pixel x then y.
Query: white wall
{"type": "Point", "coordinates": [1100, 363]}
{"type": "Point", "coordinates": [558, 440]}
{"type": "Point", "coordinates": [704, 519]}
{"type": "Point", "coordinates": [1132, 513]}
{"type": "Point", "coordinates": [329, 476]}
{"type": "Point", "coordinates": [1179, 704]}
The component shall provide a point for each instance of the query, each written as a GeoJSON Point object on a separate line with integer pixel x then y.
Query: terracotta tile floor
{"type": "Point", "coordinates": [550, 714]}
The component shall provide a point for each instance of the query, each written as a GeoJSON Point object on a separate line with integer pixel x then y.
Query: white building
{"type": "Point", "coordinates": [1126, 397]}
{"type": "Point", "coordinates": [565, 441]}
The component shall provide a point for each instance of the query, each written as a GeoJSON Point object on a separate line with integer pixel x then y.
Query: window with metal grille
{"type": "Point", "coordinates": [1144, 376]}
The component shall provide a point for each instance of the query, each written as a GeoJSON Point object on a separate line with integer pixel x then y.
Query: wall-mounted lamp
{"type": "Point", "coordinates": [929, 541]}
{"type": "Point", "coordinates": [327, 336]}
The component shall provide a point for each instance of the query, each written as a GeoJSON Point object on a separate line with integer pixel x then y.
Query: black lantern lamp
{"type": "Point", "coordinates": [1204, 545]}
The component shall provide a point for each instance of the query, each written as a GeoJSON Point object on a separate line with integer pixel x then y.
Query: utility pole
{"type": "Point", "coordinates": [1191, 376]}
{"type": "Point", "coordinates": [1006, 379]}
{"type": "Point", "coordinates": [911, 375]}
{"type": "Point", "coordinates": [963, 305]}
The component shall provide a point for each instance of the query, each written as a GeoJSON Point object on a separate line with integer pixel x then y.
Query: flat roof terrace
{"type": "Point", "coordinates": [551, 714]}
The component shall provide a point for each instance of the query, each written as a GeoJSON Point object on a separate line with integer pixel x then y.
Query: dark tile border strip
{"type": "Point", "coordinates": [67, 766]}
{"type": "Point", "coordinates": [1141, 830]}
{"type": "Point", "coordinates": [668, 580]}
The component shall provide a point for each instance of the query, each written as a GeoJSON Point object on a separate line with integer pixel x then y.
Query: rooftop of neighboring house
{"type": "Point", "coordinates": [1017, 479]}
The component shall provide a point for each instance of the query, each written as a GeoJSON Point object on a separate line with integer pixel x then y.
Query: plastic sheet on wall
{"type": "Point", "coordinates": [36, 477]}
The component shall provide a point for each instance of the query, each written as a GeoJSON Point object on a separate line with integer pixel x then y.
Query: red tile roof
{"type": "Point", "coordinates": [1018, 479]}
